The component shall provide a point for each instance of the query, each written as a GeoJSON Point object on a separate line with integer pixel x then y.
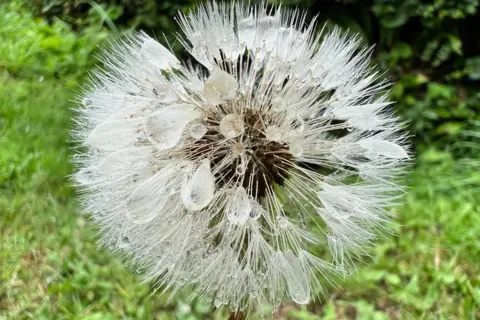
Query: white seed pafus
{"type": "Point", "coordinates": [216, 178]}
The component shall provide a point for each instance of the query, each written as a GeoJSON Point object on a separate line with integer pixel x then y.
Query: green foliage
{"type": "Point", "coordinates": [33, 47]}
{"type": "Point", "coordinates": [155, 17]}
{"type": "Point", "coordinates": [428, 49]}
{"type": "Point", "coordinates": [427, 46]}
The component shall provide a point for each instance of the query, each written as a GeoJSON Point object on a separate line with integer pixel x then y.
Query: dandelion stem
{"type": "Point", "coordinates": [236, 316]}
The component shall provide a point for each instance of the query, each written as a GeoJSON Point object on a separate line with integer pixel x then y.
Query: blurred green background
{"type": "Point", "coordinates": [50, 267]}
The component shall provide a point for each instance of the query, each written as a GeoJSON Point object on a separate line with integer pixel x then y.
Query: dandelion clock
{"type": "Point", "coordinates": [248, 174]}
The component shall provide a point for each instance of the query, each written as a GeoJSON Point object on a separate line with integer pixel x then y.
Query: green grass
{"type": "Point", "coordinates": [51, 267]}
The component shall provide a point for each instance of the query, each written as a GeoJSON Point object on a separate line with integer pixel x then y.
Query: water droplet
{"type": "Point", "coordinates": [297, 126]}
{"type": "Point", "coordinates": [238, 207]}
{"type": "Point", "coordinates": [340, 268]}
{"type": "Point", "coordinates": [88, 176]}
{"type": "Point", "coordinates": [238, 148]}
{"type": "Point", "coordinates": [257, 210]}
{"type": "Point", "coordinates": [295, 150]}
{"type": "Point", "coordinates": [132, 89]}
{"type": "Point", "coordinates": [158, 55]}
{"type": "Point", "coordinates": [297, 280]}
{"type": "Point", "coordinates": [124, 242]}
{"type": "Point", "coordinates": [273, 133]}
{"type": "Point", "coordinates": [371, 155]}
{"type": "Point", "coordinates": [165, 127]}
{"type": "Point", "coordinates": [241, 167]}
{"type": "Point", "coordinates": [220, 86]}
{"type": "Point", "coordinates": [218, 303]}
{"type": "Point", "coordinates": [87, 102]}
{"type": "Point", "coordinates": [282, 222]}
{"type": "Point", "coordinates": [199, 190]}
{"type": "Point", "coordinates": [232, 126]}
{"type": "Point", "coordinates": [115, 135]}
{"type": "Point", "coordinates": [376, 147]}
{"type": "Point", "coordinates": [197, 131]}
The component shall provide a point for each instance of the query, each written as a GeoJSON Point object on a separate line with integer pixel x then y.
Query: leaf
{"type": "Point", "coordinates": [402, 50]}
{"type": "Point", "coordinates": [397, 90]}
{"type": "Point", "coordinates": [455, 44]}
{"type": "Point", "coordinates": [472, 66]}
{"type": "Point", "coordinates": [51, 43]}
{"type": "Point", "coordinates": [451, 128]}
{"type": "Point", "coordinates": [413, 287]}
{"type": "Point", "coordinates": [434, 155]}
{"type": "Point", "coordinates": [393, 279]}
{"type": "Point", "coordinates": [394, 21]}
{"type": "Point", "coordinates": [414, 80]}
{"type": "Point", "coordinates": [438, 90]}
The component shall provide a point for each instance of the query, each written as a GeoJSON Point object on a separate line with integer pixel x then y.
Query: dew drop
{"type": "Point", "coordinates": [124, 242]}
{"type": "Point", "coordinates": [378, 147]}
{"type": "Point", "coordinates": [372, 155]}
{"type": "Point", "coordinates": [87, 102]}
{"type": "Point", "coordinates": [158, 55]}
{"type": "Point", "coordinates": [241, 167]}
{"type": "Point", "coordinates": [273, 133]}
{"type": "Point", "coordinates": [115, 135]}
{"type": "Point", "coordinates": [220, 86]}
{"type": "Point", "coordinates": [232, 126]}
{"type": "Point", "coordinates": [165, 126]}
{"type": "Point", "coordinates": [88, 176]}
{"type": "Point", "coordinates": [297, 126]}
{"type": "Point", "coordinates": [295, 150]}
{"type": "Point", "coordinates": [238, 148]}
{"type": "Point", "coordinates": [198, 191]}
{"type": "Point", "coordinates": [238, 207]}
{"type": "Point", "coordinates": [197, 131]}
{"type": "Point", "coordinates": [218, 303]}
{"type": "Point", "coordinates": [340, 268]}
{"type": "Point", "coordinates": [297, 280]}
{"type": "Point", "coordinates": [257, 210]}
{"type": "Point", "coordinates": [282, 223]}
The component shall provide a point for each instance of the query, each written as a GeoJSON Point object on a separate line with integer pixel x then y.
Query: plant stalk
{"type": "Point", "coordinates": [236, 316]}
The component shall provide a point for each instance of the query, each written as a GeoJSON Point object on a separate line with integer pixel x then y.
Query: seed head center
{"type": "Point", "coordinates": [239, 140]}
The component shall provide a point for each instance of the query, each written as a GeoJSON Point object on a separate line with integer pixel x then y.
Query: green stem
{"type": "Point", "coordinates": [236, 316]}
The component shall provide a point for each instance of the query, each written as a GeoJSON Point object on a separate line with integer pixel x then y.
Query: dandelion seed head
{"type": "Point", "coordinates": [227, 177]}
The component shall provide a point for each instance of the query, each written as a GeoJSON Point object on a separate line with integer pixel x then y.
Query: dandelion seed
{"type": "Point", "coordinates": [219, 180]}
